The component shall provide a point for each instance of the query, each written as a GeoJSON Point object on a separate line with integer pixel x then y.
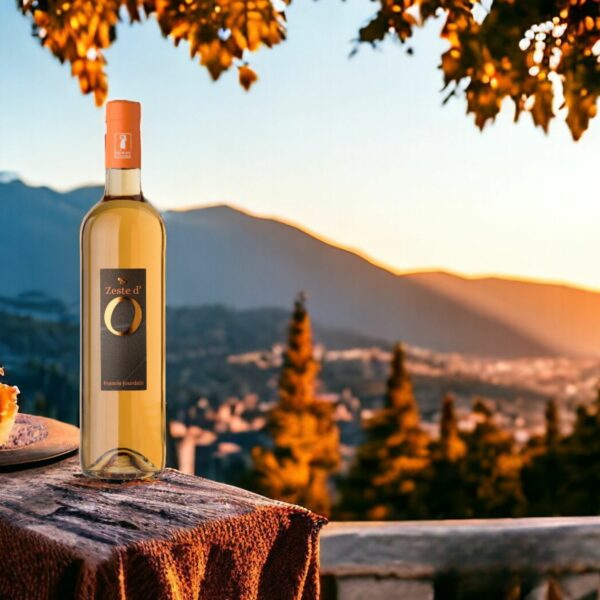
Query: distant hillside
{"type": "Point", "coordinates": [217, 353]}
{"type": "Point", "coordinates": [39, 247]}
{"type": "Point", "coordinates": [218, 255]}
{"type": "Point", "coordinates": [557, 316]}
{"type": "Point", "coordinates": [41, 355]}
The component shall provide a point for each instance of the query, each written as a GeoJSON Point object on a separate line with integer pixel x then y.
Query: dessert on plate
{"type": "Point", "coordinates": [8, 409]}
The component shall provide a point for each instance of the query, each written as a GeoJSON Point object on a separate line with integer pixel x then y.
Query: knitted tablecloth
{"type": "Point", "coordinates": [180, 537]}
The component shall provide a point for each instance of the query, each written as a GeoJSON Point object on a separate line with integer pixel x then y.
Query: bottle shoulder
{"type": "Point", "coordinates": [122, 210]}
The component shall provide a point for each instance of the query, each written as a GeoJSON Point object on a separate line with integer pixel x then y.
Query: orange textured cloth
{"type": "Point", "coordinates": [178, 537]}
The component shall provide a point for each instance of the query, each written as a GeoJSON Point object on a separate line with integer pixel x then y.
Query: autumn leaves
{"type": "Point", "coordinates": [541, 55]}
{"type": "Point", "coordinates": [219, 32]}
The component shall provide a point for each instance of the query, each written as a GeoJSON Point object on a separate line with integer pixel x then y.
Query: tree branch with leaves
{"type": "Point", "coordinates": [540, 55]}
{"type": "Point", "coordinates": [219, 32]}
{"type": "Point", "coordinates": [531, 52]}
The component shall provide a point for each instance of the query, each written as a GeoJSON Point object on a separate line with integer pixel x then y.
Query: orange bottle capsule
{"type": "Point", "coordinates": [122, 142]}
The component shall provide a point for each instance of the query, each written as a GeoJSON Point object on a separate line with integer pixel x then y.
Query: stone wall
{"type": "Point", "coordinates": [533, 559]}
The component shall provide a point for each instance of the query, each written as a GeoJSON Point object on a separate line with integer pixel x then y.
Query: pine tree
{"type": "Point", "coordinates": [543, 473]}
{"type": "Point", "coordinates": [452, 447]}
{"type": "Point", "coordinates": [382, 481]}
{"type": "Point", "coordinates": [579, 489]}
{"type": "Point", "coordinates": [305, 439]}
{"type": "Point", "coordinates": [492, 468]}
{"type": "Point", "coordinates": [444, 489]}
{"type": "Point", "coordinates": [552, 425]}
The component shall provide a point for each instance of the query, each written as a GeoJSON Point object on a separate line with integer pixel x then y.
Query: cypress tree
{"type": "Point", "coordinates": [382, 481]}
{"type": "Point", "coordinates": [543, 473]}
{"type": "Point", "coordinates": [492, 468]}
{"type": "Point", "coordinates": [305, 440]}
{"type": "Point", "coordinates": [444, 490]}
{"type": "Point", "coordinates": [552, 436]}
{"type": "Point", "coordinates": [452, 447]}
{"type": "Point", "coordinates": [579, 492]}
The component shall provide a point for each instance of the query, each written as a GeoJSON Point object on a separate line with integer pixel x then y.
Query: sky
{"type": "Point", "coordinates": [357, 150]}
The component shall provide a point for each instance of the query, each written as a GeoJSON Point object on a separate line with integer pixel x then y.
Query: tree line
{"type": "Point", "coordinates": [401, 472]}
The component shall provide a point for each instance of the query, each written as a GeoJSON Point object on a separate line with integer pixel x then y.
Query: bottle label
{"type": "Point", "coordinates": [123, 329]}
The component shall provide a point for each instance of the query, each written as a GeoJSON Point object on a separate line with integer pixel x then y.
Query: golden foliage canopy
{"type": "Point", "coordinates": [529, 51]}
{"type": "Point", "coordinates": [219, 32]}
{"type": "Point", "coordinates": [538, 54]}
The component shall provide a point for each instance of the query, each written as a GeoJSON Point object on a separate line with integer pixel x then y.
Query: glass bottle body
{"type": "Point", "coordinates": [122, 401]}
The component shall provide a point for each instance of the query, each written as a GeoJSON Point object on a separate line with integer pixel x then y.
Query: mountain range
{"type": "Point", "coordinates": [220, 255]}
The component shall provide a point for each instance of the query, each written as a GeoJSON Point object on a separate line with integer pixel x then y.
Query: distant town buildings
{"type": "Point", "coordinates": [219, 436]}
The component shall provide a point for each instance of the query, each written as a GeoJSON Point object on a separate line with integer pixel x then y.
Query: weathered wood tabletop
{"type": "Point", "coordinates": [65, 536]}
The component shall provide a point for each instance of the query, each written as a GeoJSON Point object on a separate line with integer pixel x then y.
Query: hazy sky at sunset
{"type": "Point", "coordinates": [357, 150]}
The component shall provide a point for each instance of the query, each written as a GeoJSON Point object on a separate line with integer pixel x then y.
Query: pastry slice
{"type": "Point", "coordinates": [8, 410]}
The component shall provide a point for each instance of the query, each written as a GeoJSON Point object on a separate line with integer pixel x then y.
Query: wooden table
{"type": "Point", "coordinates": [178, 537]}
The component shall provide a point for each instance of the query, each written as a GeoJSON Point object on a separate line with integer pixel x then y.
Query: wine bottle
{"type": "Point", "coordinates": [123, 245]}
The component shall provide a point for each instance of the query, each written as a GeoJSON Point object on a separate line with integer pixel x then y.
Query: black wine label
{"type": "Point", "coordinates": [123, 329]}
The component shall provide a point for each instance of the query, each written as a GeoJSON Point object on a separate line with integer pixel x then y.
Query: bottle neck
{"type": "Point", "coordinates": [123, 183]}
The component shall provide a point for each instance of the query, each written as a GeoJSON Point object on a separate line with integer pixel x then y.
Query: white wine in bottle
{"type": "Point", "coordinates": [122, 316]}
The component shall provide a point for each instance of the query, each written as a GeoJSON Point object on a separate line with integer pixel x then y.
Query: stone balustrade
{"type": "Point", "coordinates": [533, 559]}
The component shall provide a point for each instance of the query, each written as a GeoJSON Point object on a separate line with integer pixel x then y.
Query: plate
{"type": "Point", "coordinates": [62, 439]}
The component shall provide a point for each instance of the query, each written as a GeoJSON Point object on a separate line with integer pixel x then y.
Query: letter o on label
{"type": "Point", "coordinates": [135, 322]}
